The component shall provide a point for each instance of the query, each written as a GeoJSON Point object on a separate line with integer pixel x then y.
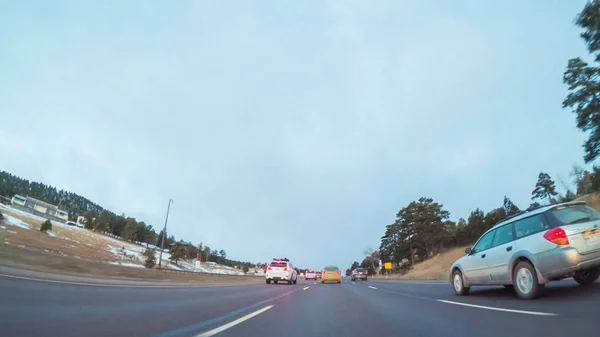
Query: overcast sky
{"type": "Point", "coordinates": [287, 128]}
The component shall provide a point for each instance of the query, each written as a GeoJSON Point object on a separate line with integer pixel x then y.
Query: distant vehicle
{"type": "Point", "coordinates": [331, 274]}
{"type": "Point", "coordinates": [531, 248]}
{"type": "Point", "coordinates": [281, 270]}
{"type": "Point", "coordinates": [310, 275]}
{"type": "Point", "coordinates": [359, 274]}
{"type": "Point", "coordinates": [73, 223]}
{"type": "Point", "coordinates": [318, 275]}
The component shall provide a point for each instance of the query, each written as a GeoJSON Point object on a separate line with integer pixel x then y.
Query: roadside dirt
{"type": "Point", "coordinates": [435, 268]}
{"type": "Point", "coordinates": [55, 262]}
{"type": "Point", "coordinates": [80, 252]}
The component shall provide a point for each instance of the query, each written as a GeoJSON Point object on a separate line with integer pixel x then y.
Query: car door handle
{"type": "Point", "coordinates": [483, 256]}
{"type": "Point", "coordinates": [508, 249]}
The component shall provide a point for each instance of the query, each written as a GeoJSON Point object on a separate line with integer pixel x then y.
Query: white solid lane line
{"type": "Point", "coordinates": [372, 287]}
{"type": "Point", "coordinates": [537, 313]}
{"type": "Point", "coordinates": [305, 288]}
{"type": "Point", "coordinates": [234, 323]}
{"type": "Point", "coordinates": [353, 283]}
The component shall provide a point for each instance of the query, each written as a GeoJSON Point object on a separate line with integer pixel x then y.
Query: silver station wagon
{"type": "Point", "coordinates": [531, 248]}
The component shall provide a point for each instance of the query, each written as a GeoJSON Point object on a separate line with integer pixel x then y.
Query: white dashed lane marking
{"type": "Point", "coordinates": [537, 313]}
{"type": "Point", "coordinates": [234, 323]}
{"type": "Point", "coordinates": [372, 287]}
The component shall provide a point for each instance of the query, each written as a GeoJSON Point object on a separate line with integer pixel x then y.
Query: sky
{"type": "Point", "coordinates": [288, 128]}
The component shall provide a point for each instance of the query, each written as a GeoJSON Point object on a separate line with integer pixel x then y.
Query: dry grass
{"type": "Point", "coordinates": [591, 199]}
{"type": "Point", "coordinates": [435, 268]}
{"type": "Point", "coordinates": [72, 250]}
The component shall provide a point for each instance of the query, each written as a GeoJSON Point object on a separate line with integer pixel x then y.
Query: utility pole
{"type": "Point", "coordinates": [164, 233]}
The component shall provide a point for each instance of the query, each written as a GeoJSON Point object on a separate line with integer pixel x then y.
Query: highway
{"type": "Point", "coordinates": [371, 308]}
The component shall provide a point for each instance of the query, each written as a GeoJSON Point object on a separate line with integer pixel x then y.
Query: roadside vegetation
{"type": "Point", "coordinates": [105, 222]}
{"type": "Point", "coordinates": [422, 229]}
{"type": "Point", "coordinates": [46, 226]}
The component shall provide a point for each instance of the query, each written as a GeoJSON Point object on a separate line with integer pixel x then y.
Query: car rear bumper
{"type": "Point", "coordinates": [331, 279]}
{"type": "Point", "coordinates": [559, 262]}
{"type": "Point", "coordinates": [278, 277]}
{"type": "Point", "coordinates": [359, 277]}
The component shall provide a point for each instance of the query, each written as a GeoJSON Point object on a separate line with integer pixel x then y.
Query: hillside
{"type": "Point", "coordinates": [19, 232]}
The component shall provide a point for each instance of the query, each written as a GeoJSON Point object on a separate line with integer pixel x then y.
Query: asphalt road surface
{"type": "Point", "coordinates": [372, 308]}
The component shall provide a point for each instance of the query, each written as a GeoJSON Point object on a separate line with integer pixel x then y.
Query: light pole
{"type": "Point", "coordinates": [162, 242]}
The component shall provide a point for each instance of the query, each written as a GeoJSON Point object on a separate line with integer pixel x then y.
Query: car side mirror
{"type": "Point", "coordinates": [468, 251]}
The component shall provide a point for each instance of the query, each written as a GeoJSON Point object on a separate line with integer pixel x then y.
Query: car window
{"type": "Point", "coordinates": [279, 264]}
{"type": "Point", "coordinates": [574, 214]}
{"type": "Point", "coordinates": [331, 269]}
{"type": "Point", "coordinates": [504, 235]}
{"type": "Point", "coordinates": [485, 242]}
{"type": "Point", "coordinates": [528, 226]}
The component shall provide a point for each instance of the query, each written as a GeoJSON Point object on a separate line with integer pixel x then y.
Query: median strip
{"type": "Point", "coordinates": [537, 313]}
{"type": "Point", "coordinates": [234, 323]}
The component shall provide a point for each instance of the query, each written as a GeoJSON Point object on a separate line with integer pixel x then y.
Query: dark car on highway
{"type": "Point", "coordinates": [359, 274]}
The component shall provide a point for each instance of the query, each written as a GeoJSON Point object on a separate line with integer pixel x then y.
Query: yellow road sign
{"type": "Point", "coordinates": [388, 265]}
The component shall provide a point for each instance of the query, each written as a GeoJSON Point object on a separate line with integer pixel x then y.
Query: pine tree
{"type": "Point", "coordinates": [583, 81]}
{"type": "Point", "coordinates": [46, 226]}
{"type": "Point", "coordinates": [150, 257]}
{"type": "Point", "coordinates": [545, 188]}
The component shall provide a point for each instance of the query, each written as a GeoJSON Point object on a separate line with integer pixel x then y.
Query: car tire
{"type": "Point", "coordinates": [268, 281]}
{"type": "Point", "coordinates": [295, 281]}
{"type": "Point", "coordinates": [525, 281]}
{"type": "Point", "coordinates": [322, 282]}
{"type": "Point", "coordinates": [458, 284]}
{"type": "Point", "coordinates": [275, 282]}
{"type": "Point", "coordinates": [587, 277]}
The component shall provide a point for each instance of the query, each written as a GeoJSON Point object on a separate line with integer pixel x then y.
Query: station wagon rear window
{"type": "Point", "coordinates": [575, 214]}
{"type": "Point", "coordinates": [279, 264]}
{"type": "Point", "coordinates": [331, 268]}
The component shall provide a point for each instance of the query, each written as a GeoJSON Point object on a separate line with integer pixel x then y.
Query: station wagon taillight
{"type": "Point", "coordinates": [365, 273]}
{"type": "Point", "coordinates": [557, 236]}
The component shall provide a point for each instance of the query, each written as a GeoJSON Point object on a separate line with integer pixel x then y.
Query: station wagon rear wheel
{"type": "Point", "coordinates": [587, 277]}
{"type": "Point", "coordinates": [458, 284]}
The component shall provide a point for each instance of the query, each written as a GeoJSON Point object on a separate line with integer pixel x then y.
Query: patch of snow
{"type": "Point", "coordinates": [12, 232]}
{"type": "Point", "coordinates": [51, 233]}
{"type": "Point", "coordinates": [22, 246]}
{"type": "Point", "coordinates": [3, 227]}
{"type": "Point", "coordinates": [126, 264]}
{"type": "Point", "coordinates": [12, 221]}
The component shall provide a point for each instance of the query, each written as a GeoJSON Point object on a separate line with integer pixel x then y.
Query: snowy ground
{"type": "Point", "coordinates": [114, 251]}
